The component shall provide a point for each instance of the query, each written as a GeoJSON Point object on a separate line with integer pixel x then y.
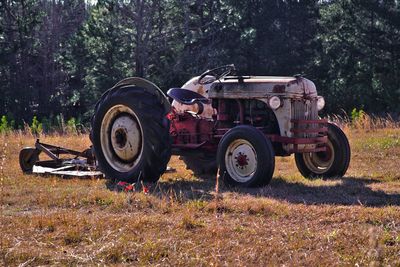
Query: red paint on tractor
{"type": "Point", "coordinates": [242, 160]}
{"type": "Point", "coordinates": [189, 132]}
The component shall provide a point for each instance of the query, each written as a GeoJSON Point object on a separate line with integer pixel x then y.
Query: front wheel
{"type": "Point", "coordinates": [246, 157]}
{"type": "Point", "coordinates": [333, 162]}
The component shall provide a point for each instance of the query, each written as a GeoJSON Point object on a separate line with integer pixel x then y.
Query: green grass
{"type": "Point", "coordinates": [380, 143]}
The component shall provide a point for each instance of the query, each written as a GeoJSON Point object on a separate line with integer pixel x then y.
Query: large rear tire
{"type": "Point", "coordinates": [130, 134]}
{"type": "Point", "coordinates": [332, 163]}
{"type": "Point", "coordinates": [246, 157]}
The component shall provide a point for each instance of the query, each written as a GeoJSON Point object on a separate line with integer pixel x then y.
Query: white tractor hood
{"type": "Point", "coordinates": [251, 87]}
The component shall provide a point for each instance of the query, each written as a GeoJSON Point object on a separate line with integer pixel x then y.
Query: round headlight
{"type": "Point", "coordinates": [320, 103]}
{"type": "Point", "coordinates": [274, 102]}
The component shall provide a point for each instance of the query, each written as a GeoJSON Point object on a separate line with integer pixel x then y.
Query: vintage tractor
{"type": "Point", "coordinates": [236, 124]}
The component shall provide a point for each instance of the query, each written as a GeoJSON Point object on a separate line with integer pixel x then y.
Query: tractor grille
{"type": "Point", "coordinates": [305, 110]}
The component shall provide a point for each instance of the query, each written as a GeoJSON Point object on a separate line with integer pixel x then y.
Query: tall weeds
{"type": "Point", "coordinates": [2, 179]}
{"type": "Point", "coordinates": [365, 121]}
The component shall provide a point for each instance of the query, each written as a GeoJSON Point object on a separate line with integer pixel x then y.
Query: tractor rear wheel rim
{"type": "Point", "coordinates": [320, 162]}
{"type": "Point", "coordinates": [121, 138]}
{"type": "Point", "coordinates": [241, 160]}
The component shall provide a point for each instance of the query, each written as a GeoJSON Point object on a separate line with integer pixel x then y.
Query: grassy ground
{"type": "Point", "coordinates": [293, 221]}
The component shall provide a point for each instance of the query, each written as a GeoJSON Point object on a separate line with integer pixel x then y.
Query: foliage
{"type": "Point", "coordinates": [5, 127]}
{"type": "Point", "coordinates": [71, 125]}
{"type": "Point", "coordinates": [36, 127]}
{"type": "Point", "coordinates": [359, 60]}
{"type": "Point", "coordinates": [58, 57]}
{"type": "Point", "coordinates": [357, 114]}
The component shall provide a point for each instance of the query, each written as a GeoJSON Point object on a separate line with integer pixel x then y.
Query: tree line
{"type": "Point", "coordinates": [58, 56]}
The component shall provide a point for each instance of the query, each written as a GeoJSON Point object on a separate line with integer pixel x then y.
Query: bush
{"type": "Point", "coordinates": [357, 114]}
{"type": "Point", "coordinates": [36, 126]}
{"type": "Point", "coordinates": [71, 126]}
{"type": "Point", "coordinates": [359, 118]}
{"type": "Point", "coordinates": [5, 127]}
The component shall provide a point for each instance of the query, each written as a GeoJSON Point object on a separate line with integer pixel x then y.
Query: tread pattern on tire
{"type": "Point", "coordinates": [152, 115]}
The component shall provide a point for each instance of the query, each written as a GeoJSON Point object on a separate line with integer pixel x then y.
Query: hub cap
{"type": "Point", "coordinates": [241, 160]}
{"type": "Point", "coordinates": [320, 162]}
{"type": "Point", "coordinates": [121, 138]}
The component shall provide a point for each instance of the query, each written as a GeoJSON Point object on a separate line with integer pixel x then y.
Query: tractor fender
{"type": "Point", "coordinates": [146, 85]}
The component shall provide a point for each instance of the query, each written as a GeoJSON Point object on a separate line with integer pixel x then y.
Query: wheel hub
{"type": "Point", "coordinates": [126, 138]}
{"type": "Point", "coordinates": [325, 155]}
{"type": "Point", "coordinates": [320, 162]}
{"type": "Point", "coordinates": [241, 160]}
{"type": "Point", "coordinates": [120, 137]}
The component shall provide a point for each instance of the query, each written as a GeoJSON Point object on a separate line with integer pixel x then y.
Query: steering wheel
{"type": "Point", "coordinates": [218, 73]}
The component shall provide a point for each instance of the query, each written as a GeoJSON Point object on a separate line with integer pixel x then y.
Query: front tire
{"type": "Point", "coordinates": [130, 135]}
{"type": "Point", "coordinates": [246, 157]}
{"type": "Point", "coordinates": [332, 163]}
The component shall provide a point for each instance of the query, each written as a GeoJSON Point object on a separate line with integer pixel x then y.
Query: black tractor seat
{"type": "Point", "coordinates": [187, 97]}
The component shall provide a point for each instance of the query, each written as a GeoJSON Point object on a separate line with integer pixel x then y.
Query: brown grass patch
{"type": "Point", "coordinates": [292, 221]}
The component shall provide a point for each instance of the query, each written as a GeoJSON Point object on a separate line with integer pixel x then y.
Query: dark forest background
{"type": "Point", "coordinates": [57, 57]}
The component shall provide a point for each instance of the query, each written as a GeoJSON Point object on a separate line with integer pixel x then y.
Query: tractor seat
{"type": "Point", "coordinates": [187, 97]}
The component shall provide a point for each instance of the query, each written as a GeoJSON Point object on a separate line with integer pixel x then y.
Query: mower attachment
{"type": "Point", "coordinates": [81, 164]}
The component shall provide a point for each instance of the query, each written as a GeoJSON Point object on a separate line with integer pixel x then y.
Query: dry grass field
{"type": "Point", "coordinates": [182, 222]}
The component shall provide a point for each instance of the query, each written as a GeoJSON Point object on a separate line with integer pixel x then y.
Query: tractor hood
{"type": "Point", "coordinates": [249, 87]}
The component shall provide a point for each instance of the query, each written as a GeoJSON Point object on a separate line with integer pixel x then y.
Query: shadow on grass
{"type": "Point", "coordinates": [345, 191]}
{"type": "Point", "coordinates": [181, 190]}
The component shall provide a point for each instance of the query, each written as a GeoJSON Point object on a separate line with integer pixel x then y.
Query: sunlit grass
{"type": "Point", "coordinates": [386, 142]}
{"type": "Point", "coordinates": [182, 221]}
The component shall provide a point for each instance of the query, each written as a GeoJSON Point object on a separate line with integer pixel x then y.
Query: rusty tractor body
{"type": "Point", "coordinates": [294, 125]}
{"type": "Point", "coordinates": [236, 124]}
